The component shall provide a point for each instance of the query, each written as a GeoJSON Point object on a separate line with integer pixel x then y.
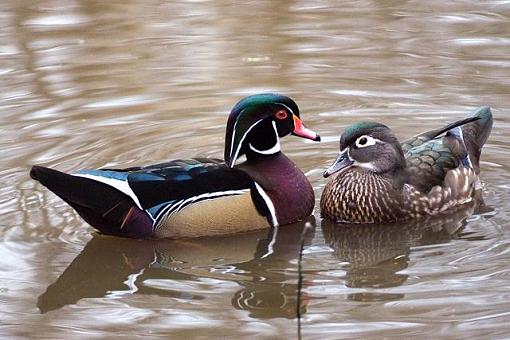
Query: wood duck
{"type": "Point", "coordinates": [201, 196]}
{"type": "Point", "coordinates": [376, 179]}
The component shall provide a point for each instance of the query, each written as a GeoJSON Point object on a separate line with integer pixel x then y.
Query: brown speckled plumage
{"type": "Point", "coordinates": [343, 199]}
{"type": "Point", "coordinates": [378, 183]}
{"type": "Point", "coordinates": [361, 196]}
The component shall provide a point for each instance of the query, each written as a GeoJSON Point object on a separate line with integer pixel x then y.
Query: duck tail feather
{"type": "Point", "coordinates": [477, 133]}
{"type": "Point", "coordinates": [102, 206]}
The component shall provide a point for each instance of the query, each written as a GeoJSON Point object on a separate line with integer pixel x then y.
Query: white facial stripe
{"type": "Point", "coordinates": [241, 142]}
{"type": "Point", "coordinates": [233, 136]}
{"type": "Point", "coordinates": [348, 154]}
{"type": "Point", "coordinates": [288, 108]}
{"type": "Point", "coordinates": [367, 141]}
{"type": "Point", "coordinates": [246, 133]}
{"type": "Point", "coordinates": [276, 148]}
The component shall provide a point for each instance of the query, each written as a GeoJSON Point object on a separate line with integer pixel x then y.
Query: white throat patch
{"type": "Point", "coordinates": [274, 149]}
{"type": "Point", "coordinates": [364, 165]}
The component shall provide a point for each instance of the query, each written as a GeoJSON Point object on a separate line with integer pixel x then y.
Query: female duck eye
{"type": "Point", "coordinates": [365, 141]}
{"type": "Point", "coordinates": [282, 114]}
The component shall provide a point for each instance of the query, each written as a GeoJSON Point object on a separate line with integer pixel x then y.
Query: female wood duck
{"type": "Point", "coordinates": [375, 179]}
{"type": "Point", "coordinates": [201, 196]}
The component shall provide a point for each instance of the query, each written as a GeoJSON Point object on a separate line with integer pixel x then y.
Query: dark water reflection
{"type": "Point", "coordinates": [124, 83]}
{"type": "Point", "coordinates": [257, 262]}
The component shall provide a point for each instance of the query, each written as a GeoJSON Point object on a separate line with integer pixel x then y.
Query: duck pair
{"type": "Point", "coordinates": [375, 179]}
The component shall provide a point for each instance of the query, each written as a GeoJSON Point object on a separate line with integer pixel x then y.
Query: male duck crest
{"type": "Point", "coordinates": [425, 175]}
{"type": "Point", "coordinates": [257, 122]}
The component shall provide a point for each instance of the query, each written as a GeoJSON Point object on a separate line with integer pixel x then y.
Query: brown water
{"type": "Point", "coordinates": [123, 83]}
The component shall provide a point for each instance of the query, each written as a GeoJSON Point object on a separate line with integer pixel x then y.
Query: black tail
{"type": "Point", "coordinates": [476, 133]}
{"type": "Point", "coordinates": [102, 206]}
{"type": "Point", "coordinates": [435, 133]}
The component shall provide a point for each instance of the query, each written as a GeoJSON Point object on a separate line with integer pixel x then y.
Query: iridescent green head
{"type": "Point", "coordinates": [371, 146]}
{"type": "Point", "coordinates": [257, 122]}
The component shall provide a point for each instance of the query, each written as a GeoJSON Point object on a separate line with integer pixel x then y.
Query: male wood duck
{"type": "Point", "coordinates": [201, 196]}
{"type": "Point", "coordinates": [376, 179]}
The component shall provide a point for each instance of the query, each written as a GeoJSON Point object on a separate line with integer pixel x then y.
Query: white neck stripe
{"type": "Point", "coordinates": [269, 204]}
{"type": "Point", "coordinates": [233, 136]}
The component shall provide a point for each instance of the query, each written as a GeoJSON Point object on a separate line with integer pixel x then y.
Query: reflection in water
{"type": "Point", "coordinates": [272, 290]}
{"type": "Point", "coordinates": [259, 262]}
{"type": "Point", "coordinates": [262, 263]}
{"type": "Point", "coordinates": [377, 253]}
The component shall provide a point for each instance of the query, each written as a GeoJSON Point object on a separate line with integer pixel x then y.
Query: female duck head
{"type": "Point", "coordinates": [370, 146]}
{"type": "Point", "coordinates": [257, 122]}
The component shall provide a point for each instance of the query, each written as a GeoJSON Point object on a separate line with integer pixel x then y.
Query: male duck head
{"type": "Point", "coordinates": [370, 146]}
{"type": "Point", "coordinates": [257, 122]}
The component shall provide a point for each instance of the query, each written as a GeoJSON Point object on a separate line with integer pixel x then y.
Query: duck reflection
{"type": "Point", "coordinates": [377, 253]}
{"type": "Point", "coordinates": [260, 262]}
{"type": "Point", "coordinates": [271, 290]}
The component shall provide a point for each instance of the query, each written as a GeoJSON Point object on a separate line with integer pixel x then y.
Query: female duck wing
{"type": "Point", "coordinates": [429, 135]}
{"type": "Point", "coordinates": [430, 157]}
{"type": "Point", "coordinates": [428, 163]}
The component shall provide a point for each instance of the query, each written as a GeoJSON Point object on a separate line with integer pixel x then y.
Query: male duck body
{"type": "Point", "coordinates": [201, 196]}
{"type": "Point", "coordinates": [375, 179]}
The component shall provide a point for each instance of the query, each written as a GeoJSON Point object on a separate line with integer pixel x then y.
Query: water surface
{"type": "Point", "coordinates": [124, 83]}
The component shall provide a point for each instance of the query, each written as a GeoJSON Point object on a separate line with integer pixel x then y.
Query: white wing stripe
{"type": "Point", "coordinates": [212, 195]}
{"type": "Point", "coordinates": [122, 186]}
{"type": "Point", "coordinates": [182, 204]}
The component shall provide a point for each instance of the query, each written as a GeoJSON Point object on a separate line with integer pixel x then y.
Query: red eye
{"type": "Point", "coordinates": [282, 114]}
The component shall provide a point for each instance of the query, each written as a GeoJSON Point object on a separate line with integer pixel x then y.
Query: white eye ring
{"type": "Point", "coordinates": [365, 140]}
